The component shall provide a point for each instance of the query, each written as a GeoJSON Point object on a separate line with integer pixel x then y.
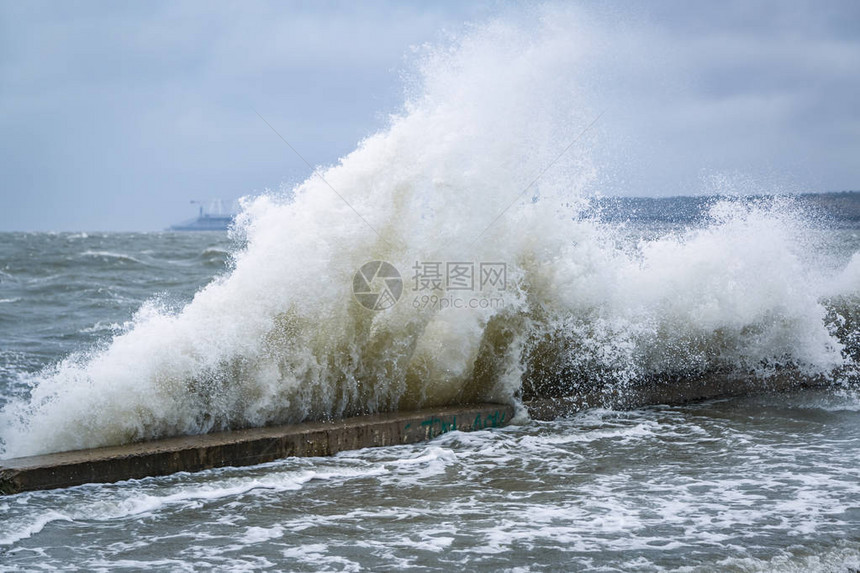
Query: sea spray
{"type": "Point", "coordinates": [468, 172]}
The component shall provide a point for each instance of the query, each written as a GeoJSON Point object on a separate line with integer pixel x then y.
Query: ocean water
{"type": "Point", "coordinates": [753, 484]}
{"type": "Point", "coordinates": [757, 483]}
{"type": "Point", "coordinates": [454, 256]}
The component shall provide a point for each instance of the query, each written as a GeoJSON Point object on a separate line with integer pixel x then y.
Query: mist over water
{"type": "Point", "coordinates": [280, 337]}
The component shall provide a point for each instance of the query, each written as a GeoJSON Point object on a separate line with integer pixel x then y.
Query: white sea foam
{"type": "Point", "coordinates": [281, 339]}
{"type": "Point", "coordinates": [102, 326]}
{"type": "Point", "coordinates": [111, 256]}
{"type": "Point", "coordinates": [262, 534]}
{"type": "Point", "coordinates": [22, 529]}
{"type": "Point", "coordinates": [110, 503]}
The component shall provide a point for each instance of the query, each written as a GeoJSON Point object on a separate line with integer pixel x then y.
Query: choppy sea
{"type": "Point", "coordinates": [753, 483]}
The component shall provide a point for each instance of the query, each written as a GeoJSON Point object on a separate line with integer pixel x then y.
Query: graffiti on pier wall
{"type": "Point", "coordinates": [435, 426]}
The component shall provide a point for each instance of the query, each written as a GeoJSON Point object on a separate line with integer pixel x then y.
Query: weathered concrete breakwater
{"type": "Point", "coordinates": [260, 445]}
{"type": "Point", "coordinates": [242, 447]}
{"type": "Point", "coordinates": [669, 391]}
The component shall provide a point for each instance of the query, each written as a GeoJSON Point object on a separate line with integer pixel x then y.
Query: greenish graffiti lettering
{"type": "Point", "coordinates": [437, 426]}
{"type": "Point", "coordinates": [494, 420]}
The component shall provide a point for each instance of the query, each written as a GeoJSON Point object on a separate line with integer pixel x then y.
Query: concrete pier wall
{"type": "Point", "coordinates": [668, 392]}
{"type": "Point", "coordinates": [259, 445]}
{"type": "Point", "coordinates": [242, 447]}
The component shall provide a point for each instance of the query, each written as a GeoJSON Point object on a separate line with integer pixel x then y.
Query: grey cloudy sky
{"type": "Point", "coordinates": [114, 115]}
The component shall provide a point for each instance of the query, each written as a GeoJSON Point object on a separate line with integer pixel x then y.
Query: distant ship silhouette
{"type": "Point", "coordinates": [212, 217]}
